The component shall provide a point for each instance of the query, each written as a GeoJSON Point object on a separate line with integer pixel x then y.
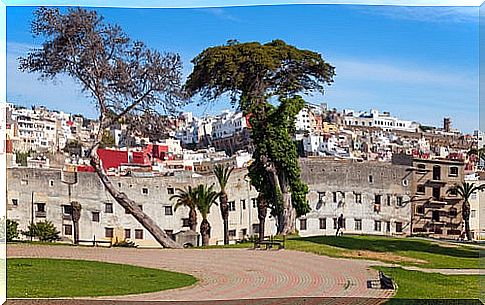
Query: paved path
{"type": "Point", "coordinates": [226, 274]}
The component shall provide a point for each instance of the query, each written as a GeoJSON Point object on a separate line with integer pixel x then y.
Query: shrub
{"type": "Point", "coordinates": [12, 230]}
{"type": "Point", "coordinates": [44, 231]}
{"type": "Point", "coordinates": [125, 244]}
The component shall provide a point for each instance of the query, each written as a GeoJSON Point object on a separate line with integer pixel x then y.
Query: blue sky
{"type": "Point", "coordinates": [420, 63]}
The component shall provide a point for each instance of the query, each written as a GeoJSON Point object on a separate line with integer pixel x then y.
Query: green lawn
{"type": "Point", "coordinates": [419, 285]}
{"type": "Point", "coordinates": [404, 251]}
{"type": "Point", "coordinates": [35, 277]}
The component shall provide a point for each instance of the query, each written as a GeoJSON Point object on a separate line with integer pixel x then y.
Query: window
{"type": "Point", "coordinates": [170, 234]}
{"type": "Point", "coordinates": [436, 172]}
{"type": "Point", "coordinates": [254, 202]}
{"type": "Point", "coordinates": [185, 222]}
{"type": "Point", "coordinates": [15, 202]}
{"type": "Point", "coordinates": [335, 222]}
{"type": "Point", "coordinates": [420, 209]}
{"type": "Point", "coordinates": [377, 199]}
{"type": "Point", "coordinates": [170, 190]}
{"type": "Point", "coordinates": [473, 213]}
{"type": "Point", "coordinates": [302, 224]}
{"type": "Point", "coordinates": [436, 215]}
{"type": "Point", "coordinates": [453, 192]}
{"type": "Point", "coordinates": [168, 210]}
{"type": "Point", "coordinates": [108, 207]}
{"type": "Point", "coordinates": [127, 233]}
{"type": "Point", "coordinates": [334, 196]}
{"type": "Point", "coordinates": [453, 212]}
{"type": "Point", "coordinates": [144, 191]}
{"type": "Point", "coordinates": [108, 232]}
{"type": "Point", "coordinates": [67, 210]}
{"type": "Point", "coordinates": [95, 216]}
{"type": "Point", "coordinates": [40, 207]}
{"type": "Point", "coordinates": [398, 227]}
{"type": "Point", "coordinates": [399, 201]}
{"type": "Point", "coordinates": [421, 189]}
{"type": "Point", "coordinates": [371, 179]}
{"type": "Point", "coordinates": [388, 201]}
{"type": "Point", "coordinates": [67, 229]}
{"type": "Point", "coordinates": [453, 171]}
{"type": "Point", "coordinates": [358, 225]}
{"type": "Point", "coordinates": [388, 226]}
{"type": "Point", "coordinates": [138, 233]}
{"type": "Point", "coordinates": [436, 193]}
{"type": "Point", "coordinates": [232, 205]}
{"type": "Point", "coordinates": [232, 233]}
{"type": "Point", "coordinates": [24, 182]}
{"type": "Point", "coordinates": [377, 225]}
{"type": "Point", "coordinates": [255, 228]}
{"type": "Point", "coordinates": [243, 204]}
{"type": "Point", "coordinates": [119, 184]}
{"type": "Point", "coordinates": [322, 223]}
{"type": "Point", "coordinates": [358, 198]}
{"type": "Point", "coordinates": [51, 183]}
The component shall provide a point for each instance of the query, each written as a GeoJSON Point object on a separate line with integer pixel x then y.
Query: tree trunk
{"type": "Point", "coordinates": [193, 220]}
{"type": "Point", "coordinates": [131, 205]}
{"type": "Point", "coordinates": [205, 231]}
{"type": "Point", "coordinates": [262, 211]}
{"type": "Point", "coordinates": [225, 215]}
{"type": "Point", "coordinates": [76, 215]}
{"type": "Point", "coordinates": [466, 218]}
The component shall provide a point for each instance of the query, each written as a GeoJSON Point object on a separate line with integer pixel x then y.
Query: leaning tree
{"type": "Point", "coordinates": [124, 78]}
{"type": "Point", "coordinates": [253, 75]}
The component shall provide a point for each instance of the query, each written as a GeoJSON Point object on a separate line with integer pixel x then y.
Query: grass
{"type": "Point", "coordinates": [420, 285]}
{"type": "Point", "coordinates": [403, 251]}
{"type": "Point", "coordinates": [38, 278]}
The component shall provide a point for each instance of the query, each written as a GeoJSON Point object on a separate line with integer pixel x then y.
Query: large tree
{"type": "Point", "coordinates": [465, 191]}
{"type": "Point", "coordinates": [123, 78]}
{"type": "Point", "coordinates": [253, 75]}
{"type": "Point", "coordinates": [206, 196]}
{"type": "Point", "coordinates": [222, 174]}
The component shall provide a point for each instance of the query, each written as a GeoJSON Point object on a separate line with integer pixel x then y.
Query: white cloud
{"type": "Point", "coordinates": [425, 14]}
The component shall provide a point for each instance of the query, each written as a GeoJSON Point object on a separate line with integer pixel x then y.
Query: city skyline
{"type": "Point", "coordinates": [405, 69]}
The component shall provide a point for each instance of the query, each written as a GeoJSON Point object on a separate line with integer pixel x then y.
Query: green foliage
{"type": "Point", "coordinates": [21, 157]}
{"type": "Point", "coordinates": [12, 230]}
{"type": "Point", "coordinates": [107, 140]}
{"type": "Point", "coordinates": [42, 230]}
{"type": "Point", "coordinates": [185, 197]}
{"type": "Point", "coordinates": [205, 197]}
{"type": "Point", "coordinates": [252, 73]}
{"type": "Point", "coordinates": [124, 244]}
{"type": "Point", "coordinates": [222, 174]}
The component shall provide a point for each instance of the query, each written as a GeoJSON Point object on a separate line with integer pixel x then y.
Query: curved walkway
{"type": "Point", "coordinates": [226, 274]}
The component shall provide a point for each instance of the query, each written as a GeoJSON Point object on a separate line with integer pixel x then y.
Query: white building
{"type": "Point", "coordinates": [227, 124]}
{"type": "Point", "coordinates": [381, 120]}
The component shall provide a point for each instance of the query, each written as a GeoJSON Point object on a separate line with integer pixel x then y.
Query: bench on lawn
{"type": "Point", "coordinates": [270, 243]}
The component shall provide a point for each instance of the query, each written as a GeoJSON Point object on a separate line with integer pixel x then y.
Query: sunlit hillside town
{"type": "Point", "coordinates": [369, 166]}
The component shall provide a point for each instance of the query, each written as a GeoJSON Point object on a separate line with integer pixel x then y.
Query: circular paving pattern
{"type": "Point", "coordinates": [227, 274]}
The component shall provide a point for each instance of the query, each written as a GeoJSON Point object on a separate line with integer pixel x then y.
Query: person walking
{"type": "Point", "coordinates": [340, 225]}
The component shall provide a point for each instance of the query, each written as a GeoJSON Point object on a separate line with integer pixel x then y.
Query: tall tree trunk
{"type": "Point", "coordinates": [129, 204]}
{"type": "Point", "coordinates": [225, 215]}
{"type": "Point", "coordinates": [262, 211]}
{"type": "Point", "coordinates": [289, 212]}
{"type": "Point", "coordinates": [466, 218]}
{"type": "Point", "coordinates": [76, 215]}
{"type": "Point", "coordinates": [193, 220]}
{"type": "Point", "coordinates": [205, 230]}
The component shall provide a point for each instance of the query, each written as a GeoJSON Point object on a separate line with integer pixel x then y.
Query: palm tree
{"type": "Point", "coordinates": [205, 196]}
{"type": "Point", "coordinates": [222, 174]}
{"type": "Point", "coordinates": [187, 197]}
{"type": "Point", "coordinates": [465, 190]}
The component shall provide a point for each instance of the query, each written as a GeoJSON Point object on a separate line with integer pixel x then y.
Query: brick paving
{"type": "Point", "coordinates": [233, 274]}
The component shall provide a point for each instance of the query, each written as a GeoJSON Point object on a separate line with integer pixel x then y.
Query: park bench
{"type": "Point", "coordinates": [384, 282]}
{"type": "Point", "coordinates": [270, 243]}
